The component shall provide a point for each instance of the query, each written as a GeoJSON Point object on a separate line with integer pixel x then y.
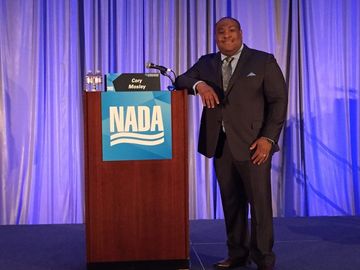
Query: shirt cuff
{"type": "Point", "coordinates": [194, 87]}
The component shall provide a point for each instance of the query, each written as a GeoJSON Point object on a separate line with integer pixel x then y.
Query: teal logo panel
{"type": "Point", "coordinates": [136, 125]}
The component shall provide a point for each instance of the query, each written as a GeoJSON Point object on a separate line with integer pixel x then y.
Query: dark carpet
{"type": "Point", "coordinates": [319, 243]}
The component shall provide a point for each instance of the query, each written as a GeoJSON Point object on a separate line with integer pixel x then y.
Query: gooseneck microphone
{"type": "Point", "coordinates": [162, 69]}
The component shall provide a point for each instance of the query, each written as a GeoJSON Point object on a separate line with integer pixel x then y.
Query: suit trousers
{"type": "Point", "coordinates": [243, 183]}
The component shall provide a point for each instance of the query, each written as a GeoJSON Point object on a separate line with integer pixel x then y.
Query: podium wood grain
{"type": "Point", "coordinates": [136, 210]}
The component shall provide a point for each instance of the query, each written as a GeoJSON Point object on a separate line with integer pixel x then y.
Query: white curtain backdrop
{"type": "Point", "coordinates": [47, 46]}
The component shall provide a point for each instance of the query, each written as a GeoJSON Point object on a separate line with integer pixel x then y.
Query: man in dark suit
{"type": "Point", "coordinates": [245, 100]}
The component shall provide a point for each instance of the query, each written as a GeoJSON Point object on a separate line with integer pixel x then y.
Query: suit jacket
{"type": "Point", "coordinates": [254, 104]}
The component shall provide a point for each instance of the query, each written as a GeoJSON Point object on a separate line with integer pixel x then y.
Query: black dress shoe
{"type": "Point", "coordinates": [232, 262]}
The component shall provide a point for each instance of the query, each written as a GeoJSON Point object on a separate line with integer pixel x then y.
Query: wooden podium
{"type": "Point", "coordinates": [136, 211]}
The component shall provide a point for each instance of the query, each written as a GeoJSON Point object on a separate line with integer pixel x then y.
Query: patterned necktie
{"type": "Point", "coordinates": [226, 71]}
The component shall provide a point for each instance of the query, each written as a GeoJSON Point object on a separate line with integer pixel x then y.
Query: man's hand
{"type": "Point", "coordinates": [208, 96]}
{"type": "Point", "coordinates": [262, 152]}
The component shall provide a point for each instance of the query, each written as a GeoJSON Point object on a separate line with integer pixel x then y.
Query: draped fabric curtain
{"type": "Point", "coordinates": [40, 113]}
{"type": "Point", "coordinates": [322, 149]}
{"type": "Point", "coordinates": [47, 46]}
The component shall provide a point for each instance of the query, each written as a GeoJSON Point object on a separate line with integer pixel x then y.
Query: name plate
{"type": "Point", "coordinates": [132, 82]}
{"type": "Point", "coordinates": [136, 125]}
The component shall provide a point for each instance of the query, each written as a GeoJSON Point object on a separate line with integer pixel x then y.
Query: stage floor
{"type": "Point", "coordinates": [319, 243]}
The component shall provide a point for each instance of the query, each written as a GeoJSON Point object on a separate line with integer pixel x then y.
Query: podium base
{"type": "Point", "coordinates": [141, 265]}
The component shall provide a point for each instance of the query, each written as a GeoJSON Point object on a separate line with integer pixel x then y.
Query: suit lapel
{"type": "Point", "coordinates": [245, 54]}
{"type": "Point", "coordinates": [217, 67]}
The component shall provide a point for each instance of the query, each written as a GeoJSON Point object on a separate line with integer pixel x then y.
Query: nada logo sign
{"type": "Point", "coordinates": [136, 125]}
